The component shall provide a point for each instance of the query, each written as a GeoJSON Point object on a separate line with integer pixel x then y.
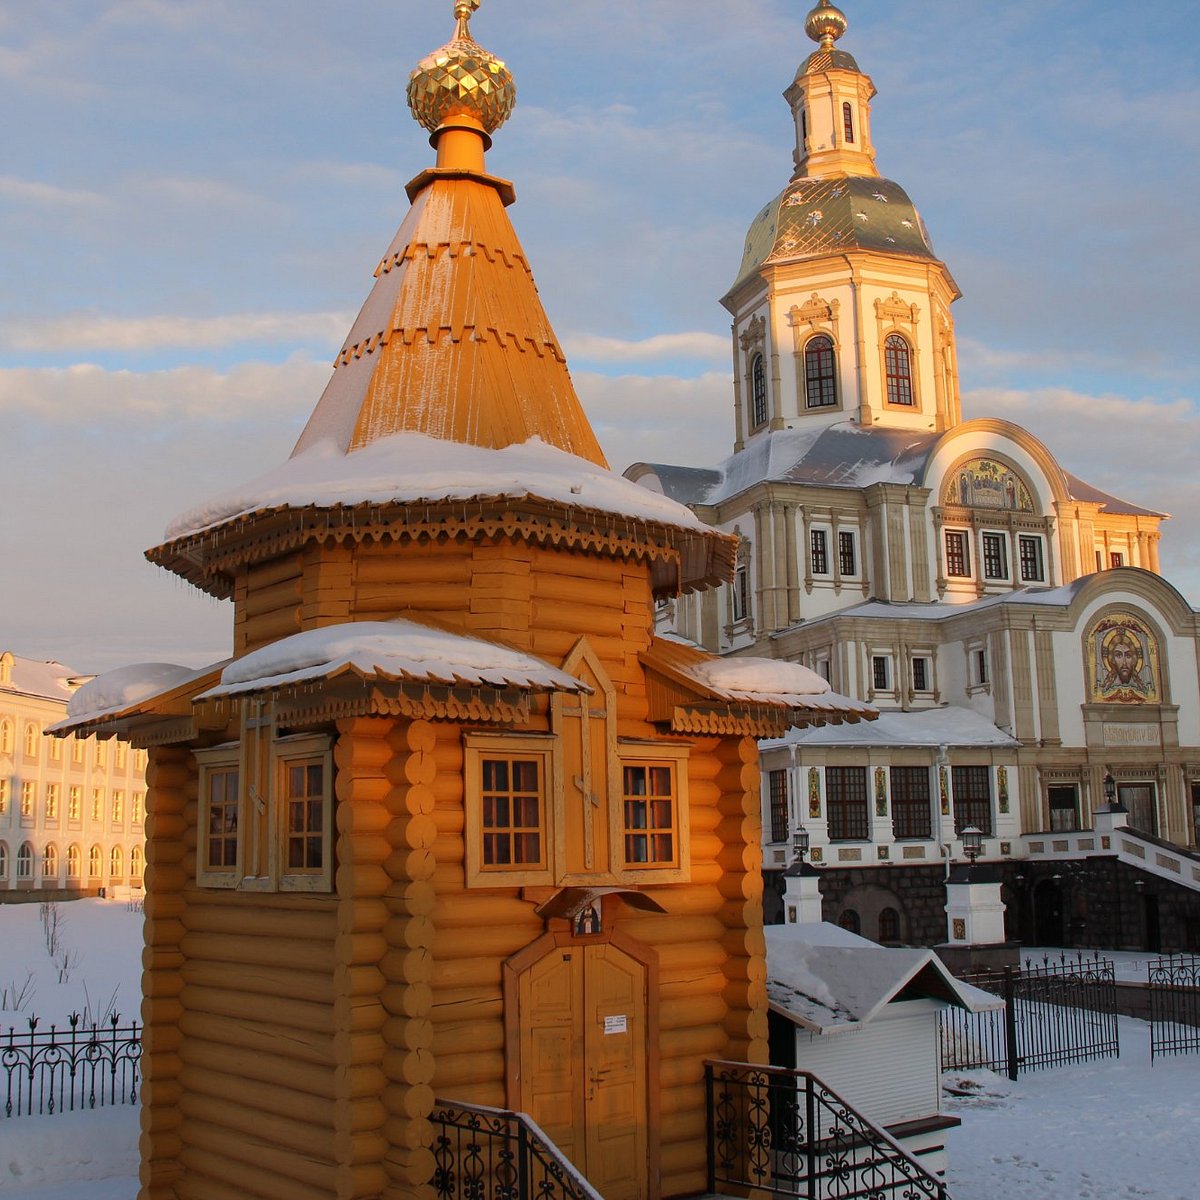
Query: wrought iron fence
{"type": "Point", "coordinates": [784, 1132]}
{"type": "Point", "coordinates": [1056, 1013]}
{"type": "Point", "coordinates": [492, 1154]}
{"type": "Point", "coordinates": [1174, 1005]}
{"type": "Point", "coordinates": [81, 1067]}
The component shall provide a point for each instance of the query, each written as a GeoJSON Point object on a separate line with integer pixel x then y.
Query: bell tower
{"type": "Point", "coordinates": [841, 307]}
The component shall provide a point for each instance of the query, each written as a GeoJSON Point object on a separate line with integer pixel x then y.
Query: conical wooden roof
{"type": "Point", "coordinates": [453, 340]}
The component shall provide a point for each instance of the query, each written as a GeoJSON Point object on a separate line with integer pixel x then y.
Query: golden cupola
{"type": "Point", "coordinates": [453, 341]}
{"type": "Point", "coordinates": [831, 103]}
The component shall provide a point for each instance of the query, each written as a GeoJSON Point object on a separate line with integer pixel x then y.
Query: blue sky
{"type": "Point", "coordinates": [193, 195]}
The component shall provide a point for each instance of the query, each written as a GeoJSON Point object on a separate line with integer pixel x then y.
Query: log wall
{"type": "Point", "coordinates": [296, 1042]}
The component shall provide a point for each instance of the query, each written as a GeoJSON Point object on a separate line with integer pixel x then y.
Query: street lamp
{"type": "Point", "coordinates": [972, 843]}
{"type": "Point", "coordinates": [800, 843]}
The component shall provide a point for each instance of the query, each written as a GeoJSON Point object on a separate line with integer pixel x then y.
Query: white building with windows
{"type": "Point", "coordinates": [1008, 618]}
{"type": "Point", "coordinates": [71, 809]}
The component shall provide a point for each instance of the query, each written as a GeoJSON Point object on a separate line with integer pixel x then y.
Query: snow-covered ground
{"type": "Point", "coordinates": [1117, 1129]}
{"type": "Point", "coordinates": [1113, 1128]}
{"type": "Point", "coordinates": [96, 969]}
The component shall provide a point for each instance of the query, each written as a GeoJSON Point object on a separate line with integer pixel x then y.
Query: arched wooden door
{"type": "Point", "coordinates": [580, 1063]}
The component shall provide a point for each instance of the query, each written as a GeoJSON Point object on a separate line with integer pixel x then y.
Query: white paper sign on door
{"type": "Point", "coordinates": [616, 1024]}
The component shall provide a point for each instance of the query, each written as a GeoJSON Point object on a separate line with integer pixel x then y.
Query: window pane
{"type": "Point", "coordinates": [649, 822]}
{"type": "Point", "coordinates": [846, 797]}
{"type": "Point", "coordinates": [972, 798]}
{"type": "Point", "coordinates": [511, 811]}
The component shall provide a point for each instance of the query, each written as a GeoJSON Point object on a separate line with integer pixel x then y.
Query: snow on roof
{"type": "Point", "coordinates": [845, 454]}
{"type": "Point", "coordinates": [122, 688]}
{"type": "Point", "coordinates": [411, 468]}
{"type": "Point", "coordinates": [1081, 490]}
{"type": "Point", "coordinates": [949, 726]}
{"type": "Point", "coordinates": [826, 981]}
{"type": "Point", "coordinates": [395, 650]}
{"type": "Point", "coordinates": [46, 680]}
{"type": "Point", "coordinates": [772, 681]}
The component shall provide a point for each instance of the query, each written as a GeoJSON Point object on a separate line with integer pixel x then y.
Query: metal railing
{"type": "Point", "coordinates": [784, 1132]}
{"type": "Point", "coordinates": [1174, 1005]}
{"type": "Point", "coordinates": [1056, 1013]}
{"type": "Point", "coordinates": [493, 1154]}
{"type": "Point", "coordinates": [57, 1071]}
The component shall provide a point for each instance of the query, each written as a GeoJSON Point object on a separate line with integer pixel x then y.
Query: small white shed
{"type": "Point", "coordinates": [863, 1018]}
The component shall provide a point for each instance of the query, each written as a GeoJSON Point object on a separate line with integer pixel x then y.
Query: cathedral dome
{"type": "Point", "coordinates": [815, 216]}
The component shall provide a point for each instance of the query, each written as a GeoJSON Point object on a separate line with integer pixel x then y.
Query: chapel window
{"type": "Point", "coordinates": [958, 554]}
{"type": "Point", "coordinates": [649, 814]}
{"type": "Point", "coordinates": [74, 861]}
{"type": "Point", "coordinates": [912, 811]}
{"type": "Point", "coordinates": [995, 556]}
{"type": "Point", "coordinates": [32, 737]}
{"type": "Point", "coordinates": [881, 674]}
{"type": "Point", "coordinates": [4, 794]}
{"type": "Point", "coordinates": [95, 862]}
{"type": "Point", "coordinates": [820, 375]}
{"type": "Point", "coordinates": [847, 555]}
{"type": "Point", "coordinates": [52, 802]}
{"type": "Point", "coordinates": [846, 803]}
{"type": "Point", "coordinates": [27, 799]}
{"type": "Point", "coordinates": [1116, 559]}
{"type": "Point", "coordinates": [509, 817]}
{"type": "Point", "coordinates": [741, 594]}
{"type": "Point", "coordinates": [897, 362]}
{"type": "Point", "coordinates": [50, 861]}
{"type": "Point", "coordinates": [777, 788]}
{"type": "Point", "coordinates": [920, 674]}
{"type": "Point", "coordinates": [972, 798]}
{"type": "Point", "coordinates": [758, 391]}
{"type": "Point", "coordinates": [116, 864]}
{"type": "Point", "coordinates": [1033, 567]}
{"type": "Point", "coordinates": [849, 921]}
{"type": "Point", "coordinates": [3, 860]}
{"type": "Point", "coordinates": [819, 551]}
{"type": "Point", "coordinates": [136, 863]}
{"type": "Point", "coordinates": [889, 925]}
{"type": "Point", "coordinates": [220, 794]}
{"type": "Point", "coordinates": [25, 861]}
{"type": "Point", "coordinates": [6, 736]}
{"type": "Point", "coordinates": [848, 121]}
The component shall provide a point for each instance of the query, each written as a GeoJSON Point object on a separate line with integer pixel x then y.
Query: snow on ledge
{"type": "Point", "coordinates": [760, 676]}
{"type": "Point", "coordinates": [393, 649]}
{"type": "Point", "coordinates": [413, 468]}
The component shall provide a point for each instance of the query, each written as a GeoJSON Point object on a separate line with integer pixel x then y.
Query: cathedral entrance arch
{"type": "Point", "coordinates": [581, 1036]}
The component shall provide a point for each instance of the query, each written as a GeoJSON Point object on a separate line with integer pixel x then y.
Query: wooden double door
{"type": "Point", "coordinates": [582, 1075]}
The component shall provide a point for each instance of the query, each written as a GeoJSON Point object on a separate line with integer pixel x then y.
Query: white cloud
{"type": "Point", "coordinates": [707, 347]}
{"type": "Point", "coordinates": [82, 332]}
{"type": "Point", "coordinates": [33, 191]}
{"type": "Point", "coordinates": [85, 394]}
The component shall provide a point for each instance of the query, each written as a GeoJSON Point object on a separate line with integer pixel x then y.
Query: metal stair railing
{"type": "Point", "coordinates": [483, 1153]}
{"type": "Point", "coordinates": [781, 1131]}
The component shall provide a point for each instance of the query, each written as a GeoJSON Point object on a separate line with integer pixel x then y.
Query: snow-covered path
{"type": "Point", "coordinates": [1118, 1129]}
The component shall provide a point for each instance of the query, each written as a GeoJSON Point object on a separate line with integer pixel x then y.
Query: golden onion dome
{"type": "Point", "coordinates": [461, 79]}
{"type": "Point", "coordinates": [825, 24]}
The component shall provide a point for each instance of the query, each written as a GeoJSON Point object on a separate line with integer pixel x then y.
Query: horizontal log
{"type": "Point", "coordinates": [273, 571]}
{"type": "Point", "coordinates": [266, 920]}
{"type": "Point", "coordinates": [265, 951]}
{"type": "Point", "coordinates": [293, 1044]}
{"type": "Point", "coordinates": [284, 1105]}
{"type": "Point", "coordinates": [467, 1037]}
{"type": "Point", "coordinates": [223, 1161]}
{"type": "Point", "coordinates": [272, 598]}
{"type": "Point", "coordinates": [260, 980]}
{"type": "Point", "coordinates": [270, 627]}
{"type": "Point", "coordinates": [277, 1011]}
{"type": "Point", "coordinates": [454, 1073]}
{"type": "Point", "coordinates": [259, 1063]}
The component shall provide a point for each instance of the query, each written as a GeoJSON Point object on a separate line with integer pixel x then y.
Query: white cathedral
{"type": "Point", "coordinates": [1038, 679]}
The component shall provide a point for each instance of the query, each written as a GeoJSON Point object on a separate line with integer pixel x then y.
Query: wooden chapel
{"type": "Point", "coordinates": [451, 823]}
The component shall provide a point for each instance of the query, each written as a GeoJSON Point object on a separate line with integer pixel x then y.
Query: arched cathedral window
{"type": "Point", "coordinates": [848, 121]}
{"type": "Point", "coordinates": [897, 364]}
{"type": "Point", "coordinates": [758, 391]}
{"type": "Point", "coordinates": [820, 380]}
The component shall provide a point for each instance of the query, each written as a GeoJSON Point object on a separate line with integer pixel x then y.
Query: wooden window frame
{"type": "Point", "coordinates": [212, 761]}
{"type": "Point", "coordinates": [286, 754]}
{"type": "Point", "coordinates": [477, 748]}
{"type": "Point", "coordinates": [653, 754]}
